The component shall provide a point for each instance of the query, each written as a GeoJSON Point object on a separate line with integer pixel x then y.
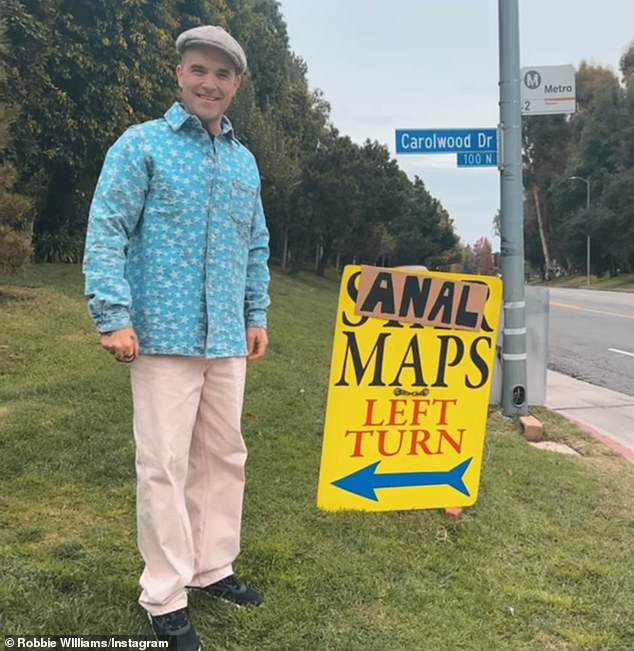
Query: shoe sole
{"type": "Point", "coordinates": [191, 589]}
{"type": "Point", "coordinates": [200, 644]}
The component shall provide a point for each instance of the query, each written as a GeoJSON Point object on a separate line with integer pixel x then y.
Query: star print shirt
{"type": "Point", "coordinates": [177, 244]}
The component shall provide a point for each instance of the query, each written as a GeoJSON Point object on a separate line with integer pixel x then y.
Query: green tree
{"type": "Point", "coordinates": [384, 194]}
{"type": "Point", "coordinates": [424, 231]}
{"type": "Point", "coordinates": [626, 65]}
{"type": "Point", "coordinates": [15, 209]}
{"type": "Point", "coordinates": [332, 197]}
{"type": "Point", "coordinates": [468, 260]}
{"type": "Point", "coordinates": [596, 143]}
{"type": "Point", "coordinates": [81, 72]}
{"type": "Point", "coordinates": [545, 144]}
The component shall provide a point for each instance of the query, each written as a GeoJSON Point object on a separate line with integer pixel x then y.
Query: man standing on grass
{"type": "Point", "coordinates": [177, 280]}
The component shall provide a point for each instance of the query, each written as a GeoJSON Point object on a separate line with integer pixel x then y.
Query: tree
{"type": "Point", "coordinates": [543, 161]}
{"type": "Point", "coordinates": [82, 72]}
{"type": "Point", "coordinates": [383, 197]}
{"type": "Point", "coordinates": [597, 144]}
{"type": "Point", "coordinates": [626, 65]}
{"type": "Point", "coordinates": [332, 196]}
{"type": "Point", "coordinates": [15, 209]}
{"type": "Point", "coordinates": [483, 257]}
{"type": "Point", "coordinates": [468, 260]}
{"type": "Point", "coordinates": [424, 231]}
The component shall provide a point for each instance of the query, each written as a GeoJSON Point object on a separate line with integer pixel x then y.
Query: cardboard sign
{"type": "Point", "coordinates": [407, 402]}
{"type": "Point", "coordinates": [425, 299]}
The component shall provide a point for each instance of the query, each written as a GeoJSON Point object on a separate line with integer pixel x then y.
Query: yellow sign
{"type": "Point", "coordinates": [407, 402]}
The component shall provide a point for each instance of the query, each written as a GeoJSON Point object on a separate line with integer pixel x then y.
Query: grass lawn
{"type": "Point", "coordinates": [543, 562]}
{"type": "Point", "coordinates": [622, 282]}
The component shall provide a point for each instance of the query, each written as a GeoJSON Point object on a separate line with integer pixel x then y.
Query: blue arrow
{"type": "Point", "coordinates": [365, 481]}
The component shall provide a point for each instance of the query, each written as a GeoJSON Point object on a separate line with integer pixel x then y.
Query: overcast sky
{"type": "Point", "coordinates": [434, 64]}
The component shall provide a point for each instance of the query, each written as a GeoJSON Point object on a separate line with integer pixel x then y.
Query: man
{"type": "Point", "coordinates": [177, 281]}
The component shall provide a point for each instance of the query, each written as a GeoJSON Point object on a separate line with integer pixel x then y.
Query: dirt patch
{"type": "Point", "coordinates": [15, 296]}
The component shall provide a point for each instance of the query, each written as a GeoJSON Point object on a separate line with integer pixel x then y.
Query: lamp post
{"type": "Point", "coordinates": [587, 182]}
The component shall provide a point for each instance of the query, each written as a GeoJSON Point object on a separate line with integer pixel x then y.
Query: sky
{"type": "Point", "coordinates": [434, 64]}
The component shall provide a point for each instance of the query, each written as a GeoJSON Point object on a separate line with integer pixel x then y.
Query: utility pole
{"type": "Point", "coordinates": [514, 399]}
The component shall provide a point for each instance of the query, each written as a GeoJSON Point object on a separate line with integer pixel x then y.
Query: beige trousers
{"type": "Point", "coordinates": [190, 458]}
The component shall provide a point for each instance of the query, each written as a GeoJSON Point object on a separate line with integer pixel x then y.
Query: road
{"type": "Point", "coordinates": [592, 337]}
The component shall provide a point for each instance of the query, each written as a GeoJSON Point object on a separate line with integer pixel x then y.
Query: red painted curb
{"type": "Point", "coordinates": [606, 440]}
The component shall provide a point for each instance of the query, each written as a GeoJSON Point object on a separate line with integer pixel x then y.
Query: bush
{"type": "Point", "coordinates": [15, 249]}
{"type": "Point", "coordinates": [59, 247]}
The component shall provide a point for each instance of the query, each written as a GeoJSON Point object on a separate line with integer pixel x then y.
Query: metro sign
{"type": "Point", "coordinates": [547, 90]}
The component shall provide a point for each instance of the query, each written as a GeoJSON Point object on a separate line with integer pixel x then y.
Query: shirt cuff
{"type": "Point", "coordinates": [114, 320]}
{"type": "Point", "coordinates": [256, 319]}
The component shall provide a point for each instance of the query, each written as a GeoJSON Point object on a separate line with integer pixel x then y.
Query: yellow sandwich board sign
{"type": "Point", "coordinates": [409, 387]}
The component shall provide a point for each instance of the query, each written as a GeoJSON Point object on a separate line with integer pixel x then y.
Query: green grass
{"type": "Point", "coordinates": [622, 282]}
{"type": "Point", "coordinates": [542, 562]}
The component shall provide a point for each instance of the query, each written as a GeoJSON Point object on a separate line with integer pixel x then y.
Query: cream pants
{"type": "Point", "coordinates": [190, 458]}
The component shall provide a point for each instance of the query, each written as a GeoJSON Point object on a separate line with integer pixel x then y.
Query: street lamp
{"type": "Point", "coordinates": [587, 182]}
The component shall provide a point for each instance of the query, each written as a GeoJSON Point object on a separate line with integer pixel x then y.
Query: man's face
{"type": "Point", "coordinates": [208, 82]}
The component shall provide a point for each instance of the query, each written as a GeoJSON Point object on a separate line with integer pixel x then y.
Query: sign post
{"type": "Point", "coordinates": [514, 374]}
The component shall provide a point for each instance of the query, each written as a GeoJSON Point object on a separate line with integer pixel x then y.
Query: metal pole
{"type": "Point", "coordinates": [512, 219]}
{"type": "Point", "coordinates": [587, 232]}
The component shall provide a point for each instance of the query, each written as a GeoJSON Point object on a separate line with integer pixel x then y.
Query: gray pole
{"type": "Point", "coordinates": [587, 232]}
{"type": "Point", "coordinates": [512, 221]}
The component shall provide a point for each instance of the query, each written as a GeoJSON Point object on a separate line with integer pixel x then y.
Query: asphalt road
{"type": "Point", "coordinates": [592, 337]}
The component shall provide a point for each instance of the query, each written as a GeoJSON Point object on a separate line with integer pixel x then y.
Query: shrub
{"type": "Point", "coordinates": [59, 247]}
{"type": "Point", "coordinates": [15, 249]}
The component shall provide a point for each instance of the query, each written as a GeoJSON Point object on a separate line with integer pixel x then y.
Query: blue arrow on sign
{"type": "Point", "coordinates": [365, 481]}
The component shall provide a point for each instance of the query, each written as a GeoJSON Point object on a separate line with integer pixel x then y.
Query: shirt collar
{"type": "Point", "coordinates": [177, 115]}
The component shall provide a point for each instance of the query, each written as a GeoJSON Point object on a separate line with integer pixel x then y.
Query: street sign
{"type": "Point", "coordinates": [408, 392]}
{"type": "Point", "coordinates": [477, 159]}
{"type": "Point", "coordinates": [547, 90]}
{"type": "Point", "coordinates": [445, 141]}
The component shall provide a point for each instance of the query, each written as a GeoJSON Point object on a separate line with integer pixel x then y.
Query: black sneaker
{"type": "Point", "coordinates": [235, 591]}
{"type": "Point", "coordinates": [177, 629]}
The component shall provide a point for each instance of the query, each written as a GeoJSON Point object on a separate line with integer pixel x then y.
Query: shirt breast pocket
{"type": "Point", "coordinates": [167, 198]}
{"type": "Point", "coordinates": [242, 206]}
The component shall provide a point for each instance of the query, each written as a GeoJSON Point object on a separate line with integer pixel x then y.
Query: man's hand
{"type": "Point", "coordinates": [257, 343]}
{"type": "Point", "coordinates": [123, 344]}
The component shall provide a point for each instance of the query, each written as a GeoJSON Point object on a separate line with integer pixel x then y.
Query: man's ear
{"type": "Point", "coordinates": [179, 74]}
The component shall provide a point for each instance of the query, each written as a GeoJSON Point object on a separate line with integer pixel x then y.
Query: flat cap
{"type": "Point", "coordinates": [214, 36]}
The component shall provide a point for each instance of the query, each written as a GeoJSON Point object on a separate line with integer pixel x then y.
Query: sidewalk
{"type": "Point", "coordinates": [606, 414]}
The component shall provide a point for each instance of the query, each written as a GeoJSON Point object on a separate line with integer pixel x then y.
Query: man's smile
{"type": "Point", "coordinates": [207, 98]}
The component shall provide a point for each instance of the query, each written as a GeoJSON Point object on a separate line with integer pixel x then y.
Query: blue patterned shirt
{"type": "Point", "coordinates": [177, 244]}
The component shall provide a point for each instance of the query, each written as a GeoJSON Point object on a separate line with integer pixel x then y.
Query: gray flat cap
{"type": "Point", "coordinates": [217, 37]}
